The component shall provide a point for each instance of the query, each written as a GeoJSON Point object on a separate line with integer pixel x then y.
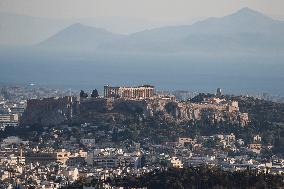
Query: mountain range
{"type": "Point", "coordinates": [80, 37]}
{"type": "Point", "coordinates": [19, 30]}
{"type": "Point", "coordinates": [245, 30]}
{"type": "Point", "coordinates": [242, 53]}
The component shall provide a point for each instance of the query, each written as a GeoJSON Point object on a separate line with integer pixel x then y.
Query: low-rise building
{"type": "Point", "coordinates": [43, 158]}
{"type": "Point", "coordinates": [175, 162]}
{"type": "Point", "coordinates": [183, 141]}
{"type": "Point", "coordinates": [90, 142]}
{"type": "Point", "coordinates": [113, 158]}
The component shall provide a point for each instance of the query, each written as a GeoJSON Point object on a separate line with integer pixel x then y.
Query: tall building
{"type": "Point", "coordinates": [139, 92]}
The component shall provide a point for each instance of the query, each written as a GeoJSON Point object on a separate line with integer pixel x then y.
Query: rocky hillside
{"type": "Point", "coordinates": [56, 111]}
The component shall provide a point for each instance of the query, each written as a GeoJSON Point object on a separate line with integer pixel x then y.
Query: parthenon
{"type": "Point", "coordinates": [139, 92]}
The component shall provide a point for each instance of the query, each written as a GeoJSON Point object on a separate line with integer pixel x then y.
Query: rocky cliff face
{"type": "Point", "coordinates": [180, 110]}
{"type": "Point", "coordinates": [54, 111]}
{"type": "Point", "coordinates": [212, 113]}
{"type": "Point", "coordinates": [49, 111]}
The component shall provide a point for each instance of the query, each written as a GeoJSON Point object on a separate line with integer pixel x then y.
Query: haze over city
{"type": "Point", "coordinates": [158, 10]}
{"type": "Point", "coordinates": [239, 44]}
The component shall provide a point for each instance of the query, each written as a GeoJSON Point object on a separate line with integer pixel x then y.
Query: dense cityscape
{"type": "Point", "coordinates": [141, 94]}
{"type": "Point", "coordinates": [63, 139]}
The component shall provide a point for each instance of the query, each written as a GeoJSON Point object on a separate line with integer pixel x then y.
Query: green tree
{"type": "Point", "coordinates": [95, 93]}
{"type": "Point", "coordinates": [83, 94]}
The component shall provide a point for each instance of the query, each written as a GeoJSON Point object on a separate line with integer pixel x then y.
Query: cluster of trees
{"type": "Point", "coordinates": [25, 133]}
{"type": "Point", "coordinates": [200, 97]}
{"type": "Point", "coordinates": [266, 118]}
{"type": "Point", "coordinates": [192, 178]}
{"type": "Point", "coordinates": [94, 94]}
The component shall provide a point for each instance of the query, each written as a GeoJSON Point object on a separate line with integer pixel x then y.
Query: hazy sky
{"type": "Point", "coordinates": [152, 10]}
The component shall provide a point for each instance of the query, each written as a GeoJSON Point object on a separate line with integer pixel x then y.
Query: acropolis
{"type": "Point", "coordinates": [144, 91]}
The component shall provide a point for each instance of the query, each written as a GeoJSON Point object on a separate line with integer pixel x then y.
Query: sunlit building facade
{"type": "Point", "coordinates": [139, 92]}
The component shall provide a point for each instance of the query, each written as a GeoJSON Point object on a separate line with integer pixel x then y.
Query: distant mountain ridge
{"type": "Point", "coordinates": [80, 37]}
{"type": "Point", "coordinates": [21, 30]}
{"type": "Point", "coordinates": [244, 30]}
